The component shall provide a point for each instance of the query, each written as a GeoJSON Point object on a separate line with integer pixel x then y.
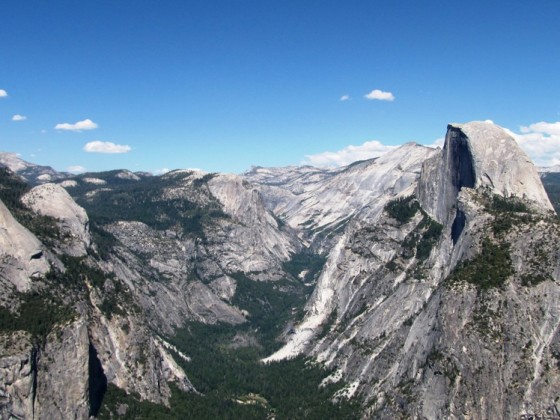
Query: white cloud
{"type": "Point", "coordinates": [541, 141]}
{"type": "Point", "coordinates": [345, 98]}
{"type": "Point", "coordinates": [76, 169]}
{"type": "Point", "coordinates": [349, 154]}
{"type": "Point", "coordinates": [543, 127]}
{"type": "Point", "coordinates": [106, 147]}
{"type": "Point", "coordinates": [380, 95]}
{"type": "Point", "coordinates": [161, 171]}
{"type": "Point", "coordinates": [3, 93]}
{"type": "Point", "coordinates": [86, 124]}
{"type": "Point", "coordinates": [18, 117]}
{"type": "Point", "coordinates": [437, 143]}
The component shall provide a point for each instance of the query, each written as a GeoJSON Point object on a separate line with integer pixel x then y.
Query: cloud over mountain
{"type": "Point", "coordinates": [541, 141]}
{"type": "Point", "coordinates": [349, 154]}
{"type": "Point", "coordinates": [76, 169]}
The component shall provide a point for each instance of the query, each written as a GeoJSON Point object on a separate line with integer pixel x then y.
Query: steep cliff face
{"type": "Point", "coordinates": [478, 155]}
{"type": "Point", "coordinates": [446, 295]}
{"type": "Point", "coordinates": [254, 242]}
{"type": "Point", "coordinates": [21, 253]}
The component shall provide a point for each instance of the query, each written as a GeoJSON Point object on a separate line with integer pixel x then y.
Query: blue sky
{"type": "Point", "coordinates": [223, 85]}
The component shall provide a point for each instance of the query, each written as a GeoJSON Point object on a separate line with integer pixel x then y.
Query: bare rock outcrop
{"type": "Point", "coordinates": [53, 200]}
{"type": "Point", "coordinates": [21, 253]}
{"type": "Point", "coordinates": [478, 155]}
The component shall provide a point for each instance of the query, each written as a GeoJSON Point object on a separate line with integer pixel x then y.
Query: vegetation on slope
{"type": "Point", "coordinates": [402, 209]}
{"type": "Point", "coordinates": [423, 238]}
{"type": "Point", "coordinates": [225, 363]}
{"type": "Point", "coordinates": [270, 306]}
{"type": "Point", "coordinates": [12, 188]}
{"type": "Point", "coordinates": [492, 265]}
{"type": "Point", "coordinates": [51, 301]}
{"type": "Point", "coordinates": [144, 202]}
{"type": "Point", "coordinates": [490, 268]}
{"type": "Point", "coordinates": [235, 385]}
{"type": "Point", "coordinates": [305, 262]}
{"type": "Point", "coordinates": [38, 313]}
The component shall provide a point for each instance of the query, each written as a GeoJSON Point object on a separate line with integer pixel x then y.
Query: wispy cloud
{"type": "Point", "coordinates": [86, 124]}
{"type": "Point", "coordinates": [543, 127]}
{"type": "Point", "coordinates": [541, 141]}
{"type": "Point", "coordinates": [437, 143]}
{"type": "Point", "coordinates": [106, 147]}
{"type": "Point", "coordinates": [349, 154]}
{"type": "Point", "coordinates": [161, 171]}
{"type": "Point", "coordinates": [380, 95]}
{"type": "Point", "coordinates": [345, 98]}
{"type": "Point", "coordinates": [19, 117]}
{"type": "Point", "coordinates": [3, 93]}
{"type": "Point", "coordinates": [76, 169]}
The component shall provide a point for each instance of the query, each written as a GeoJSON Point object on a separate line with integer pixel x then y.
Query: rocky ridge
{"type": "Point", "coordinates": [34, 174]}
{"type": "Point", "coordinates": [318, 204]}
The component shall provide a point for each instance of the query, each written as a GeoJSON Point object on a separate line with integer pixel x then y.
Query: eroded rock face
{"type": "Point", "coordinates": [67, 375]}
{"type": "Point", "coordinates": [53, 200]}
{"type": "Point", "coordinates": [16, 376]}
{"type": "Point", "coordinates": [500, 164]}
{"type": "Point", "coordinates": [133, 358]}
{"type": "Point", "coordinates": [164, 272]}
{"type": "Point", "coordinates": [254, 242]}
{"type": "Point", "coordinates": [179, 276]}
{"type": "Point", "coordinates": [65, 356]}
